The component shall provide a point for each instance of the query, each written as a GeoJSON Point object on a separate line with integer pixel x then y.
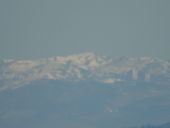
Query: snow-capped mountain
{"type": "Point", "coordinates": [86, 66]}
{"type": "Point", "coordinates": [84, 90]}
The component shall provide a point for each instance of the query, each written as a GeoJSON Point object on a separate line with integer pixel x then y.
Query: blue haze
{"type": "Point", "coordinates": [42, 28]}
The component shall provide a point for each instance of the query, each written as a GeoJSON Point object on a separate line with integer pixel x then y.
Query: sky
{"type": "Point", "coordinates": [42, 28]}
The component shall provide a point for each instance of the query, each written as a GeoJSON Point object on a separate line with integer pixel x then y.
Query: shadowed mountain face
{"type": "Point", "coordinates": [84, 91]}
{"type": "Point", "coordinates": [49, 103]}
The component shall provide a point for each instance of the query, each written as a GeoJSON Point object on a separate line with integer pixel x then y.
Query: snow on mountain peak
{"type": "Point", "coordinates": [83, 66]}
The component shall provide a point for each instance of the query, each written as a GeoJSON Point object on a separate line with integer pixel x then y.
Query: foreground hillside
{"type": "Point", "coordinates": [51, 103]}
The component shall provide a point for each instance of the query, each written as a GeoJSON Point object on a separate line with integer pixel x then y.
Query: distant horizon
{"type": "Point", "coordinates": [81, 53]}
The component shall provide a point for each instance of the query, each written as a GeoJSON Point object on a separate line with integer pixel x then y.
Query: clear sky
{"type": "Point", "coordinates": [42, 28]}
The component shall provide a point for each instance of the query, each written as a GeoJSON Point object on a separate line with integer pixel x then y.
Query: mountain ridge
{"type": "Point", "coordinates": [85, 90]}
{"type": "Point", "coordinates": [15, 73]}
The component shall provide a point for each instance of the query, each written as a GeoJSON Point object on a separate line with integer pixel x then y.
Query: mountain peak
{"type": "Point", "coordinates": [83, 66]}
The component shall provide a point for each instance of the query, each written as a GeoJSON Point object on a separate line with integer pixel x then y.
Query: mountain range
{"type": "Point", "coordinates": [85, 66]}
{"type": "Point", "coordinates": [84, 91]}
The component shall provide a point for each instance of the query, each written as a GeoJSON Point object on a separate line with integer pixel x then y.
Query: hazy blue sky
{"type": "Point", "coordinates": [42, 28]}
